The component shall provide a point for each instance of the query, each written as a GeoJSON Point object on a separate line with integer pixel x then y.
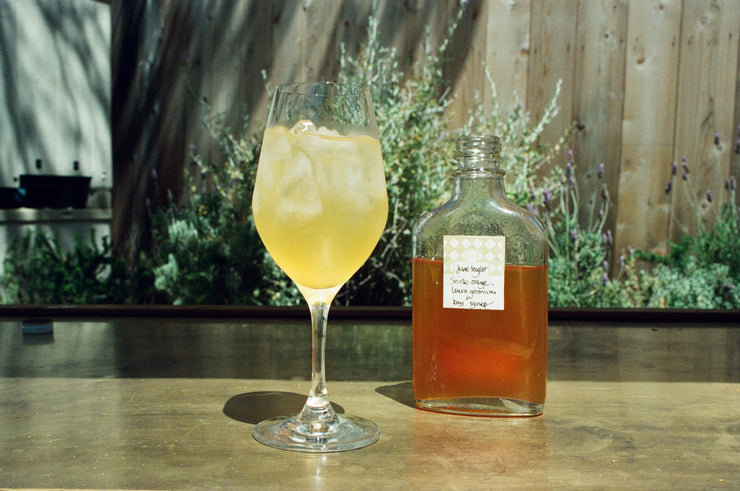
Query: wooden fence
{"type": "Point", "coordinates": [647, 82]}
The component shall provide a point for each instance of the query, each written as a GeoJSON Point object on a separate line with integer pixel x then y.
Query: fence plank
{"type": "Point", "coordinates": [467, 56]}
{"type": "Point", "coordinates": [507, 48]}
{"type": "Point", "coordinates": [136, 92]}
{"type": "Point", "coordinates": [648, 123]}
{"type": "Point", "coordinates": [500, 44]}
{"type": "Point", "coordinates": [706, 94]}
{"type": "Point", "coordinates": [598, 103]}
{"type": "Point", "coordinates": [552, 58]}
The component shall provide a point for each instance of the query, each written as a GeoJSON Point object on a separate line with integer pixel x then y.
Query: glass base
{"type": "Point", "coordinates": [345, 433]}
{"type": "Point", "coordinates": [482, 406]}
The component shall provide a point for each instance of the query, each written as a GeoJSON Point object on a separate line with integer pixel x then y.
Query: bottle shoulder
{"type": "Point", "coordinates": [524, 232]}
{"type": "Point", "coordinates": [459, 215]}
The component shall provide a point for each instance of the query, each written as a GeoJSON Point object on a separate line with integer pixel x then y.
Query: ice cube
{"type": "Point", "coordinates": [304, 126]}
{"type": "Point", "coordinates": [276, 150]}
{"type": "Point", "coordinates": [299, 197]}
{"type": "Point", "coordinates": [324, 131]}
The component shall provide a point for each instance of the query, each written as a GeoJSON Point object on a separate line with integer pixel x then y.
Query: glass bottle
{"type": "Point", "coordinates": [479, 302]}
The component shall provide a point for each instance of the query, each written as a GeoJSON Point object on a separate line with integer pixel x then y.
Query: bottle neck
{"type": "Point", "coordinates": [478, 184]}
{"type": "Point", "coordinates": [478, 175]}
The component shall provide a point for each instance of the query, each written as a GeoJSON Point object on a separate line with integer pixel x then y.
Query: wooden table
{"type": "Point", "coordinates": [169, 403]}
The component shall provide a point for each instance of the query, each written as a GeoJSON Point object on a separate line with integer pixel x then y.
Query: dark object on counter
{"type": "Point", "coordinates": [38, 326]}
{"type": "Point", "coordinates": [49, 191]}
{"type": "Point", "coordinates": [11, 198]}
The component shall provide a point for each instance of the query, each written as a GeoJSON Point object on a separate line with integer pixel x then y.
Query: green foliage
{"type": "Point", "coordinates": [701, 270]}
{"type": "Point", "coordinates": [690, 285]}
{"type": "Point", "coordinates": [38, 271]}
{"type": "Point", "coordinates": [207, 250]}
{"type": "Point", "coordinates": [579, 252]}
{"type": "Point", "coordinates": [720, 244]}
{"type": "Point", "coordinates": [524, 156]}
{"type": "Point", "coordinates": [202, 245]}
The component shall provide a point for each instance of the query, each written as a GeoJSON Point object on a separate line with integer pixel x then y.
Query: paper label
{"type": "Point", "coordinates": [473, 276]}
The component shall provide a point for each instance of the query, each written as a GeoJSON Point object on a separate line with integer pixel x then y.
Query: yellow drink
{"type": "Point", "coordinates": [319, 203]}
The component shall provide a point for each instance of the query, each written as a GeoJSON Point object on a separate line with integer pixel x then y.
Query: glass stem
{"type": "Point", "coordinates": [318, 409]}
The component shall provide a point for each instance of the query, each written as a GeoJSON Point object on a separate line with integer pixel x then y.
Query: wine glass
{"type": "Point", "coordinates": [320, 205]}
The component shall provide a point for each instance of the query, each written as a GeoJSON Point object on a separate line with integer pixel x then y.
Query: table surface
{"type": "Point", "coordinates": [169, 403]}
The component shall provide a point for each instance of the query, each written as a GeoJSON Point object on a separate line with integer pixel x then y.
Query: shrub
{"type": "Point", "coordinates": [202, 246]}
{"type": "Point", "coordinates": [207, 250]}
{"type": "Point", "coordinates": [690, 286]}
{"type": "Point", "coordinates": [38, 271]}
{"type": "Point", "coordinates": [580, 258]}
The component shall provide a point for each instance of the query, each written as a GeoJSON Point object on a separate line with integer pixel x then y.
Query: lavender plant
{"type": "Point", "coordinates": [701, 270]}
{"type": "Point", "coordinates": [580, 253]}
{"type": "Point", "coordinates": [526, 161]}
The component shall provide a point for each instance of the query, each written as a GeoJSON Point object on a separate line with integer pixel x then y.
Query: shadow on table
{"type": "Point", "coordinates": [254, 407]}
{"type": "Point", "coordinates": [402, 392]}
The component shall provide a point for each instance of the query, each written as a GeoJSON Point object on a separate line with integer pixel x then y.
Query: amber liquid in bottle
{"type": "Point", "coordinates": [480, 354]}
